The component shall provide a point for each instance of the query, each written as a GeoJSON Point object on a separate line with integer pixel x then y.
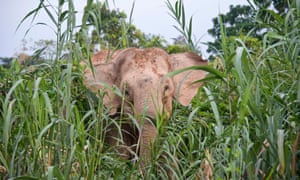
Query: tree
{"type": "Point", "coordinates": [280, 6]}
{"type": "Point", "coordinates": [179, 45]}
{"type": "Point", "coordinates": [244, 20]}
{"type": "Point", "coordinates": [110, 29]}
{"type": "Point", "coordinates": [238, 21]}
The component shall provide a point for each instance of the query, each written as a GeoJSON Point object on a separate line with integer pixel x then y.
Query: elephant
{"type": "Point", "coordinates": [148, 92]}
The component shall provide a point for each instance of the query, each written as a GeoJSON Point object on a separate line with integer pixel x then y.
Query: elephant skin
{"type": "Point", "coordinates": [141, 75]}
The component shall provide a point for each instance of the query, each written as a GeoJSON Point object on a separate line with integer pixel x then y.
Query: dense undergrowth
{"type": "Point", "coordinates": [244, 120]}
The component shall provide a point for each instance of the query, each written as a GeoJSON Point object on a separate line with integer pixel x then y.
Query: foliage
{"type": "Point", "coordinates": [177, 12]}
{"type": "Point", "coordinates": [243, 20]}
{"type": "Point", "coordinates": [244, 121]}
{"type": "Point", "coordinates": [111, 30]}
{"type": "Point", "coordinates": [255, 101]}
{"type": "Point", "coordinates": [281, 6]}
{"type": "Point", "coordinates": [179, 45]}
{"type": "Point", "coordinates": [5, 61]}
{"type": "Point", "coordinates": [44, 49]}
{"type": "Point", "coordinates": [238, 21]}
{"type": "Point", "coordinates": [177, 48]}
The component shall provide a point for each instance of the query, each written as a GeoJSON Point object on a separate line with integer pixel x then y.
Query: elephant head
{"type": "Point", "coordinates": [141, 75]}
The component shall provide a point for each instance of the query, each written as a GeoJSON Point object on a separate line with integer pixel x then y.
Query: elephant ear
{"type": "Point", "coordinates": [103, 79]}
{"type": "Point", "coordinates": [185, 89]}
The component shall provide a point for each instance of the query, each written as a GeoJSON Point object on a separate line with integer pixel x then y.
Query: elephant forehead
{"type": "Point", "coordinates": [148, 60]}
{"type": "Point", "coordinates": [145, 67]}
{"type": "Point", "coordinates": [144, 59]}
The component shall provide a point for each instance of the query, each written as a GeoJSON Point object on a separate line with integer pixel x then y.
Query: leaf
{"type": "Point", "coordinates": [280, 145]}
{"type": "Point", "coordinates": [26, 178]}
{"type": "Point", "coordinates": [48, 104]}
{"type": "Point", "coordinates": [54, 173]}
{"type": "Point", "coordinates": [61, 2]}
{"type": "Point", "coordinates": [245, 97]}
{"type": "Point", "coordinates": [206, 79]}
{"type": "Point", "coordinates": [63, 15]}
{"type": "Point", "coordinates": [183, 17]}
{"type": "Point", "coordinates": [238, 65]}
{"type": "Point", "coordinates": [176, 10]}
{"type": "Point", "coordinates": [219, 128]}
{"type": "Point", "coordinates": [178, 29]}
{"type": "Point", "coordinates": [191, 116]}
{"type": "Point", "coordinates": [7, 125]}
{"type": "Point", "coordinates": [51, 16]}
{"type": "Point", "coordinates": [3, 160]}
{"type": "Point", "coordinates": [34, 11]}
{"type": "Point", "coordinates": [190, 29]}
{"type": "Point", "coordinates": [211, 70]}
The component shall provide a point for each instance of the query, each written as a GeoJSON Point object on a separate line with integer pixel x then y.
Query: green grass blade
{"type": "Point", "coordinates": [219, 127]}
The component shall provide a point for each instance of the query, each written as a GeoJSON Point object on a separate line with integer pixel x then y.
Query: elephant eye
{"type": "Point", "coordinates": [126, 92]}
{"type": "Point", "coordinates": [166, 87]}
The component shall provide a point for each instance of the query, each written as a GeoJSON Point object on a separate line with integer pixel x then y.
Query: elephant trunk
{"type": "Point", "coordinates": [146, 140]}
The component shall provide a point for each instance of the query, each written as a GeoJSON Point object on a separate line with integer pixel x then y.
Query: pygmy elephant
{"type": "Point", "coordinates": [148, 92]}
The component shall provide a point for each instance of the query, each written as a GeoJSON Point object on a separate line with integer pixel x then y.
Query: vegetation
{"type": "Point", "coordinates": [244, 121]}
{"type": "Point", "coordinates": [243, 20]}
{"type": "Point", "coordinates": [111, 30]}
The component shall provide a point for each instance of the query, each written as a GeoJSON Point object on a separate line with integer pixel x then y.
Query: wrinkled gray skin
{"type": "Point", "coordinates": [140, 73]}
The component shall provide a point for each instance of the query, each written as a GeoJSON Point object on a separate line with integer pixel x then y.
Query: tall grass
{"type": "Point", "coordinates": [252, 106]}
{"type": "Point", "coordinates": [259, 105]}
{"type": "Point", "coordinates": [244, 121]}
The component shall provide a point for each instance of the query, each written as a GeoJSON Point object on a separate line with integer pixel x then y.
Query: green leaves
{"type": "Point", "coordinates": [177, 12]}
